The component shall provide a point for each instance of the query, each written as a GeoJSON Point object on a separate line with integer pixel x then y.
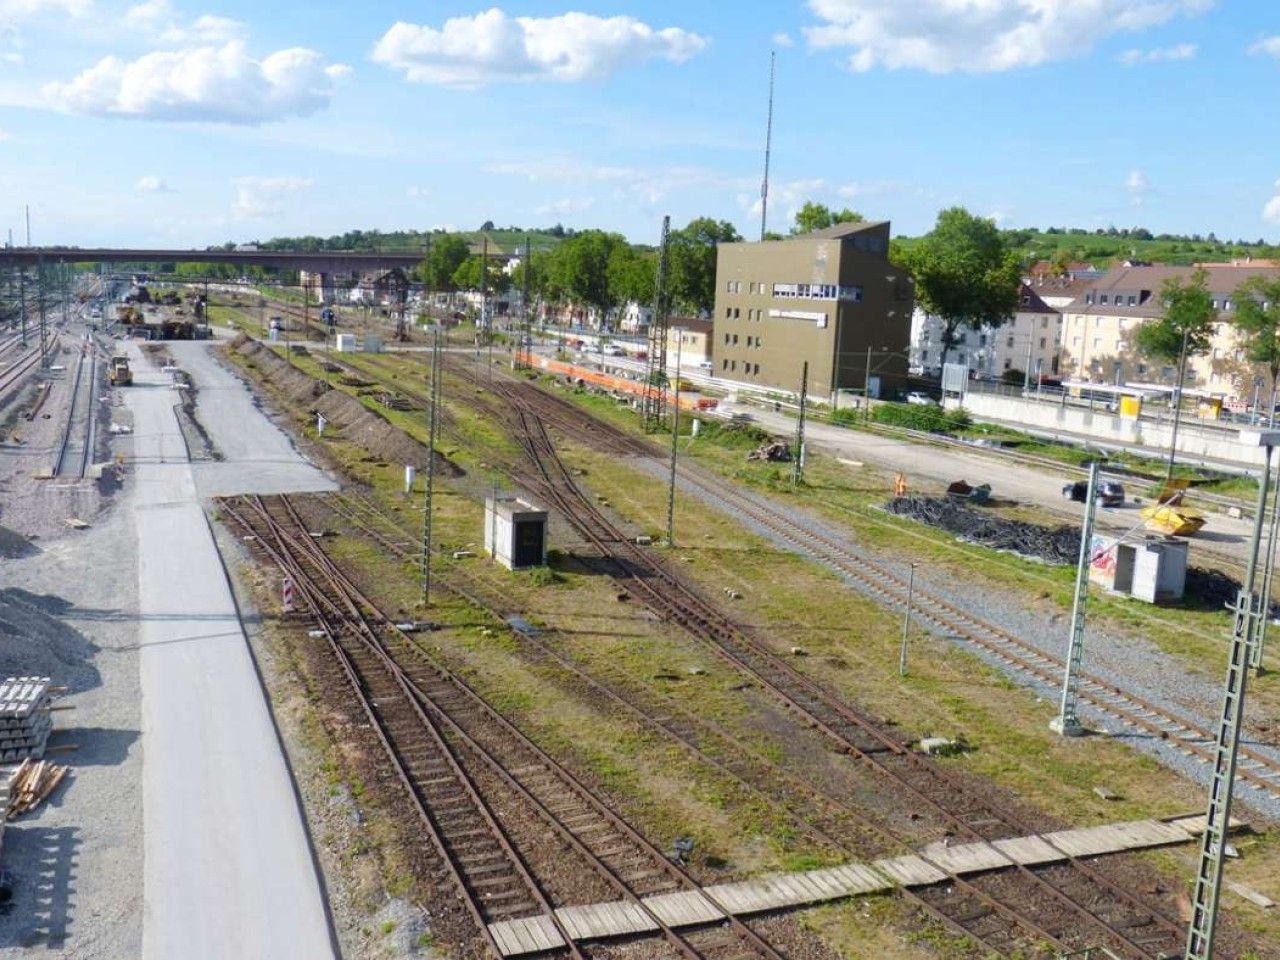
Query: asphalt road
{"type": "Point", "coordinates": [928, 468]}
{"type": "Point", "coordinates": [228, 868]}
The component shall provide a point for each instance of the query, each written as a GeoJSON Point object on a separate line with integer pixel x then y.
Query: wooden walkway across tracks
{"type": "Point", "coordinates": [598, 921]}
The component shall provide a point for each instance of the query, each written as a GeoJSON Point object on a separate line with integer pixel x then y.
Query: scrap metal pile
{"type": "Point", "coordinates": [1055, 545]}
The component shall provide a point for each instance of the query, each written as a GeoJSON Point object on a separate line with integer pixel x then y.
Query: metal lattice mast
{"type": "Point", "coordinates": [653, 403]}
{"type": "Point", "coordinates": [433, 424]}
{"type": "Point", "coordinates": [1067, 722]}
{"type": "Point", "coordinates": [1268, 572]}
{"type": "Point", "coordinates": [1213, 843]}
{"type": "Point", "coordinates": [526, 335]}
{"type": "Point", "coordinates": [675, 440]}
{"type": "Point", "coordinates": [768, 150]}
{"type": "Point", "coordinates": [797, 461]}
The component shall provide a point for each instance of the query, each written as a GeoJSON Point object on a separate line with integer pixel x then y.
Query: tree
{"type": "Point", "coordinates": [631, 275]}
{"type": "Point", "coordinates": [965, 274]}
{"type": "Point", "coordinates": [691, 263]}
{"type": "Point", "coordinates": [580, 268]}
{"type": "Point", "coordinates": [1185, 328]}
{"type": "Point", "coordinates": [1257, 316]}
{"type": "Point", "coordinates": [816, 216]}
{"type": "Point", "coordinates": [447, 254]}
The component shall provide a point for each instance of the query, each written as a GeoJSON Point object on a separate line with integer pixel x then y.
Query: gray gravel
{"type": "Point", "coordinates": [1134, 665]}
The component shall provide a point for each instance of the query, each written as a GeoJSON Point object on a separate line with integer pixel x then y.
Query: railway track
{"type": "Point", "coordinates": [73, 458]}
{"type": "Point", "coordinates": [454, 753]}
{"type": "Point", "coordinates": [817, 811]}
{"type": "Point", "coordinates": [1075, 901]}
{"type": "Point", "coordinates": [1259, 771]}
{"type": "Point", "coordinates": [12, 375]}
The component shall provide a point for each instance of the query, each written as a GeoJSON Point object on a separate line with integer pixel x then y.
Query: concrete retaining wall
{"type": "Point", "coordinates": [1195, 442]}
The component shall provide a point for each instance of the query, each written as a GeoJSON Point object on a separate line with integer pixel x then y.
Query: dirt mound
{"type": "Point", "coordinates": [14, 546]}
{"type": "Point", "coordinates": [359, 424]}
{"type": "Point", "coordinates": [35, 641]}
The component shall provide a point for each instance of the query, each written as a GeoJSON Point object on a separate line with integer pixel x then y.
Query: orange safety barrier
{"type": "Point", "coordinates": [609, 382]}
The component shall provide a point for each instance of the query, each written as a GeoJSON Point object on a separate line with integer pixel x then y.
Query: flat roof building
{"type": "Point", "coordinates": [826, 297]}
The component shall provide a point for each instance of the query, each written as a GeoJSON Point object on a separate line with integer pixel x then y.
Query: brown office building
{"type": "Point", "coordinates": [823, 297]}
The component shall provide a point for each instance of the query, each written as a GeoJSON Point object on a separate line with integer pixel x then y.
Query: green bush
{"type": "Point", "coordinates": [734, 435]}
{"type": "Point", "coordinates": [846, 417]}
{"type": "Point", "coordinates": [925, 419]}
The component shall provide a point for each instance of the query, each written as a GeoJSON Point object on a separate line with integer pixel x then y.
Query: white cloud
{"type": "Point", "coordinates": [258, 197]}
{"type": "Point", "coordinates": [156, 20]}
{"type": "Point", "coordinates": [215, 84]}
{"type": "Point", "coordinates": [490, 47]}
{"type": "Point", "coordinates": [5, 135]}
{"type": "Point", "coordinates": [1267, 46]}
{"type": "Point", "coordinates": [1182, 51]}
{"type": "Point", "coordinates": [783, 40]}
{"type": "Point", "coordinates": [1137, 182]}
{"type": "Point", "coordinates": [873, 188]}
{"type": "Point", "coordinates": [785, 195]}
{"type": "Point", "coordinates": [151, 184]}
{"type": "Point", "coordinates": [1271, 212]}
{"type": "Point", "coordinates": [649, 186]}
{"type": "Point", "coordinates": [979, 36]}
{"type": "Point", "coordinates": [12, 11]}
{"type": "Point", "coordinates": [416, 193]}
{"type": "Point", "coordinates": [562, 208]}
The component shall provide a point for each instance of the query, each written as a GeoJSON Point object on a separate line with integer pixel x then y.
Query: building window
{"type": "Point", "coordinates": [728, 313]}
{"type": "Point", "coordinates": [1133, 300]}
{"type": "Point", "coordinates": [924, 356]}
{"type": "Point", "coordinates": [1142, 369]}
{"type": "Point", "coordinates": [1075, 341]}
{"type": "Point", "coordinates": [1007, 363]}
{"type": "Point", "coordinates": [1215, 304]}
{"type": "Point", "coordinates": [726, 339]}
{"type": "Point", "coordinates": [736, 313]}
{"type": "Point", "coordinates": [1026, 301]}
{"type": "Point", "coordinates": [1102, 298]}
{"type": "Point", "coordinates": [1226, 304]}
{"type": "Point", "coordinates": [1217, 353]}
{"type": "Point", "coordinates": [1042, 343]}
{"type": "Point", "coordinates": [1044, 322]}
{"type": "Point", "coordinates": [735, 339]}
{"type": "Point", "coordinates": [733, 365]}
{"type": "Point", "coordinates": [1009, 341]}
{"type": "Point", "coordinates": [724, 364]}
{"type": "Point", "coordinates": [755, 368]}
{"type": "Point", "coordinates": [1097, 342]}
{"type": "Point", "coordinates": [750, 340]}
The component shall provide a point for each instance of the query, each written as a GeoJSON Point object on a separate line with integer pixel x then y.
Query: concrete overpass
{"type": "Point", "coordinates": [323, 261]}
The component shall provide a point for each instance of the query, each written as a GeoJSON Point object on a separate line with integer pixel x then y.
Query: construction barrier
{"type": "Point", "coordinates": [609, 382]}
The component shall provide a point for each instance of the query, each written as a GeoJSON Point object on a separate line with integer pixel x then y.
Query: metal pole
{"type": "Point", "coordinates": [1067, 722]}
{"type": "Point", "coordinates": [906, 622]}
{"type": "Point", "coordinates": [768, 145]}
{"type": "Point", "coordinates": [797, 463]}
{"type": "Point", "coordinates": [675, 437]}
{"type": "Point", "coordinates": [431, 467]}
{"type": "Point", "coordinates": [866, 390]}
{"type": "Point", "coordinates": [22, 301]}
{"type": "Point", "coordinates": [1177, 406]}
{"type": "Point", "coordinates": [1213, 842]}
{"type": "Point", "coordinates": [1026, 374]}
{"type": "Point", "coordinates": [1268, 572]}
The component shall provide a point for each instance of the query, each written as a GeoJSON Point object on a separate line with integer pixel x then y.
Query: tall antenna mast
{"type": "Point", "coordinates": [28, 210]}
{"type": "Point", "coordinates": [768, 147]}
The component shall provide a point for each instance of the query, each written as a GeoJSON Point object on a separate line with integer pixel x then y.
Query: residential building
{"type": "Point", "coordinates": [830, 299]}
{"type": "Point", "coordinates": [691, 338]}
{"type": "Point", "coordinates": [1031, 340]}
{"type": "Point", "coordinates": [1098, 330]}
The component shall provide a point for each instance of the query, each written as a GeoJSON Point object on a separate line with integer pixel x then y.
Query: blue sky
{"type": "Point", "coordinates": [154, 122]}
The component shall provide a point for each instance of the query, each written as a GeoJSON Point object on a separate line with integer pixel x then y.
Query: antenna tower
{"type": "Point", "coordinates": [768, 148]}
{"type": "Point", "coordinates": [653, 404]}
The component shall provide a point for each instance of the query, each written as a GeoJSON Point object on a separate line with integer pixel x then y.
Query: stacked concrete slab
{"type": "Point", "coordinates": [25, 720]}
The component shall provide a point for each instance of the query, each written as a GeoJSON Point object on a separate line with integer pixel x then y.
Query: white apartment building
{"type": "Point", "coordinates": [1097, 339]}
{"type": "Point", "coordinates": [1030, 341]}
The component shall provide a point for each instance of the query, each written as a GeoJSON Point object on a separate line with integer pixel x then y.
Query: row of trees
{"type": "Point", "coordinates": [594, 268]}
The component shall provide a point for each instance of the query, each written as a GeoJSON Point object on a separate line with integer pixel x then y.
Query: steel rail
{"type": "Point", "coordinates": [67, 427]}
{"type": "Point", "coordinates": [553, 766]}
{"type": "Point", "coordinates": [285, 555]}
{"type": "Point", "coordinates": [708, 625]}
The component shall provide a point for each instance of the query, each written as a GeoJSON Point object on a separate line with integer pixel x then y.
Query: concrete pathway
{"type": "Point", "coordinates": [228, 867]}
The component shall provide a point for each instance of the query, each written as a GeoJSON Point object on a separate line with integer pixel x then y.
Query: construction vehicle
{"type": "Point", "coordinates": [121, 375]}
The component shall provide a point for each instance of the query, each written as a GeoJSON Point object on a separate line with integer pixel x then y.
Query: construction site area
{"type": "Point", "coordinates": [443, 639]}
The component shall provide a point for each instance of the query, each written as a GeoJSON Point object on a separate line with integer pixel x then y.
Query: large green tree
{"type": "Point", "coordinates": [965, 274]}
{"type": "Point", "coordinates": [817, 216]}
{"type": "Point", "coordinates": [579, 268]}
{"type": "Point", "coordinates": [1186, 326]}
{"type": "Point", "coordinates": [691, 263]}
{"type": "Point", "coordinates": [631, 274]}
{"type": "Point", "coordinates": [447, 254]}
{"type": "Point", "coordinates": [1257, 316]}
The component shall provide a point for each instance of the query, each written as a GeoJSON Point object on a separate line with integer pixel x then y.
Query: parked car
{"type": "Point", "coordinates": [1110, 493]}
{"type": "Point", "coordinates": [706, 365]}
{"type": "Point", "coordinates": [921, 399]}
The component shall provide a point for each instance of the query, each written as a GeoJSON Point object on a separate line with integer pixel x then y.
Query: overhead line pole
{"type": "Point", "coordinates": [797, 462]}
{"type": "Point", "coordinates": [1067, 722]}
{"type": "Point", "coordinates": [433, 423]}
{"type": "Point", "coordinates": [675, 439]}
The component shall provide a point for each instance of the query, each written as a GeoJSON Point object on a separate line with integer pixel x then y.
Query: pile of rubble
{"type": "Point", "coordinates": [1055, 545]}
{"type": "Point", "coordinates": [775, 451]}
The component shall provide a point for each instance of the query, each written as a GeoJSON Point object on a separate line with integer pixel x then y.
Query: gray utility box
{"type": "Point", "coordinates": [515, 532]}
{"type": "Point", "coordinates": [1153, 569]}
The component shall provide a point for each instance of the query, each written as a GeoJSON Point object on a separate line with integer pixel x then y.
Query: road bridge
{"type": "Point", "coordinates": [320, 261]}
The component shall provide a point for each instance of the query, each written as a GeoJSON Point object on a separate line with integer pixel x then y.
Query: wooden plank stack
{"type": "Point", "coordinates": [25, 719]}
{"type": "Point", "coordinates": [31, 784]}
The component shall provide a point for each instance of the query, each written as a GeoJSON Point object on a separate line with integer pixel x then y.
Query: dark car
{"type": "Point", "coordinates": [1110, 493]}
